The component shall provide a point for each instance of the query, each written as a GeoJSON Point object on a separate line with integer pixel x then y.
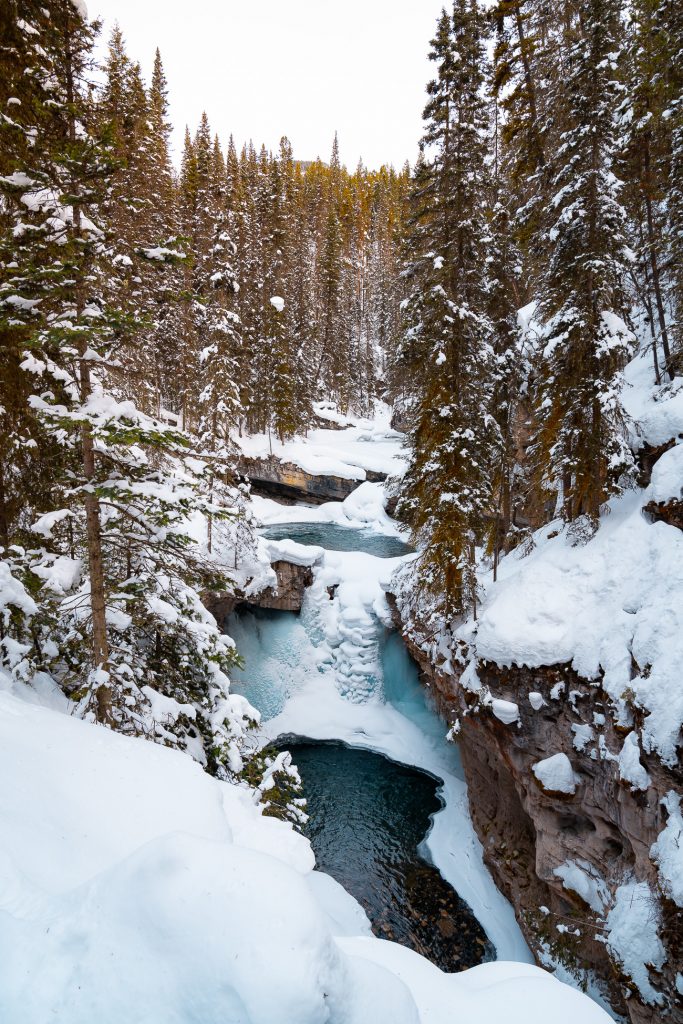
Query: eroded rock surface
{"type": "Point", "coordinates": [287, 596]}
{"type": "Point", "coordinates": [528, 833]}
{"type": "Point", "coordinates": [288, 483]}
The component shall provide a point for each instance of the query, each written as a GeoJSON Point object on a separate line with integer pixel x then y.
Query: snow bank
{"type": "Point", "coordinates": [667, 475]}
{"type": "Point", "coordinates": [135, 887]}
{"type": "Point", "coordinates": [504, 993]}
{"type": "Point", "coordinates": [610, 607]}
{"type": "Point", "coordinates": [599, 606]}
{"type": "Point", "coordinates": [657, 412]}
{"type": "Point", "coordinates": [364, 446]}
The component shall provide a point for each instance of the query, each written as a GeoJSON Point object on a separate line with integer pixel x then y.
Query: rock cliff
{"type": "Point", "coordinates": [287, 595]}
{"type": "Point", "coordinates": [540, 845]}
{"type": "Point", "coordinates": [290, 484]}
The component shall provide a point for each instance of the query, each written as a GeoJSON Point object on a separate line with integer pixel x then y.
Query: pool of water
{"type": "Point", "coordinates": [368, 820]}
{"type": "Point", "coordinates": [338, 538]}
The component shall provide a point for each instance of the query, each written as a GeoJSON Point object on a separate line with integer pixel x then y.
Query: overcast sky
{"type": "Point", "coordinates": [301, 68]}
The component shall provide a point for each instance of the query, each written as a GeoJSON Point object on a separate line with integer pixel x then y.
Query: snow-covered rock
{"type": "Point", "coordinates": [599, 606]}
{"type": "Point", "coordinates": [291, 551]}
{"type": "Point", "coordinates": [630, 768]}
{"type": "Point", "coordinates": [667, 475]}
{"type": "Point", "coordinates": [632, 935]}
{"type": "Point", "coordinates": [667, 851]}
{"type": "Point", "coordinates": [505, 711]}
{"type": "Point", "coordinates": [556, 774]}
{"type": "Point", "coordinates": [581, 878]}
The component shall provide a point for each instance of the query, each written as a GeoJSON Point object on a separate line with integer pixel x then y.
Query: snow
{"type": "Point", "coordinates": [632, 935]}
{"type": "Point", "coordinates": [608, 606]}
{"type": "Point", "coordinates": [290, 551]}
{"type": "Point", "coordinates": [365, 506]}
{"type": "Point", "coordinates": [536, 700]}
{"type": "Point", "coordinates": [667, 851]}
{"type": "Point", "coordinates": [60, 574]}
{"type": "Point", "coordinates": [599, 606]}
{"type": "Point", "coordinates": [583, 735]}
{"type": "Point", "coordinates": [13, 593]}
{"type": "Point", "coordinates": [489, 994]}
{"type": "Point", "coordinates": [667, 475]}
{"type": "Point", "coordinates": [630, 768]}
{"type": "Point", "coordinates": [364, 446]}
{"type": "Point", "coordinates": [657, 411]}
{"type": "Point", "coordinates": [505, 711]}
{"type": "Point", "coordinates": [135, 887]}
{"type": "Point", "coordinates": [277, 302]}
{"type": "Point", "coordinates": [580, 877]}
{"type": "Point", "coordinates": [556, 774]}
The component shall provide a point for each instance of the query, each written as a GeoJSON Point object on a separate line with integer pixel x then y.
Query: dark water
{"type": "Point", "coordinates": [368, 818]}
{"type": "Point", "coordinates": [338, 538]}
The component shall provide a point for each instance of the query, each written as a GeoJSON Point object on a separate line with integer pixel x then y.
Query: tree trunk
{"type": "Point", "coordinates": [100, 645]}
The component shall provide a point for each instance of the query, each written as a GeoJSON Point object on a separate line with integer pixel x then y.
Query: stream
{"type": "Point", "coordinates": [369, 815]}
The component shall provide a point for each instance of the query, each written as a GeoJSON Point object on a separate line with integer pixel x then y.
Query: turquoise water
{"type": "Point", "coordinates": [273, 646]}
{"type": "Point", "coordinates": [338, 538]}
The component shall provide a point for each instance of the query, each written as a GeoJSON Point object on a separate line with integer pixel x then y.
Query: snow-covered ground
{"type": "Point", "coordinates": [360, 446]}
{"type": "Point", "coordinates": [134, 887]}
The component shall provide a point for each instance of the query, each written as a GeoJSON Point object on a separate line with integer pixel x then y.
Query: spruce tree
{"type": "Point", "coordinates": [447, 494]}
{"type": "Point", "coordinates": [580, 452]}
{"type": "Point", "coordinates": [114, 573]}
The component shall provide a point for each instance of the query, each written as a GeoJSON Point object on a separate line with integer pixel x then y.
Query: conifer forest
{"type": "Point", "coordinates": [476, 356]}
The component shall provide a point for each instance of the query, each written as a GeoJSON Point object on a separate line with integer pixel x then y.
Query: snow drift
{"type": "Point", "coordinates": [135, 887]}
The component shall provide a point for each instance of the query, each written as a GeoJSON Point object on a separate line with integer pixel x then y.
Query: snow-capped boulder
{"type": "Point", "coordinates": [556, 774]}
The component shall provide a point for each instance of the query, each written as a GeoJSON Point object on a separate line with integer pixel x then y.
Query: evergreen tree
{"type": "Point", "coordinates": [133, 622]}
{"type": "Point", "coordinates": [580, 452]}
{"type": "Point", "coordinates": [447, 494]}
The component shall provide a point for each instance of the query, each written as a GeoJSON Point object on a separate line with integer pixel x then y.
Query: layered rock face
{"type": "Point", "coordinates": [529, 831]}
{"type": "Point", "coordinates": [290, 484]}
{"type": "Point", "coordinates": [286, 596]}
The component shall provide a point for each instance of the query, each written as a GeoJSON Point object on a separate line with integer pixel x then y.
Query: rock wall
{"type": "Point", "coordinates": [528, 832]}
{"type": "Point", "coordinates": [288, 483]}
{"type": "Point", "coordinates": [286, 596]}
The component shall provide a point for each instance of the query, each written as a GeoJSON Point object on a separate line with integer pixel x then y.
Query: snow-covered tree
{"type": "Point", "coordinates": [580, 451]}
{"type": "Point", "coordinates": [448, 489]}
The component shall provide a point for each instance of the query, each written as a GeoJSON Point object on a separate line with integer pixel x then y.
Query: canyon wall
{"type": "Point", "coordinates": [528, 832]}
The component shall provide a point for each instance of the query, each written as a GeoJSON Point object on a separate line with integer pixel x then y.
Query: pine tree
{"type": "Point", "coordinates": [132, 625]}
{"type": "Point", "coordinates": [672, 24]}
{"type": "Point", "coordinates": [447, 494]}
{"type": "Point", "coordinates": [646, 162]}
{"type": "Point", "coordinates": [580, 452]}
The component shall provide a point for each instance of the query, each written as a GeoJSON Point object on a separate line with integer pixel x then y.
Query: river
{"type": "Point", "coordinates": [385, 792]}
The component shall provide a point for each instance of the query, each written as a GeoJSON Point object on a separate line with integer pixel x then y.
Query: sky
{"type": "Point", "coordinates": [302, 68]}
